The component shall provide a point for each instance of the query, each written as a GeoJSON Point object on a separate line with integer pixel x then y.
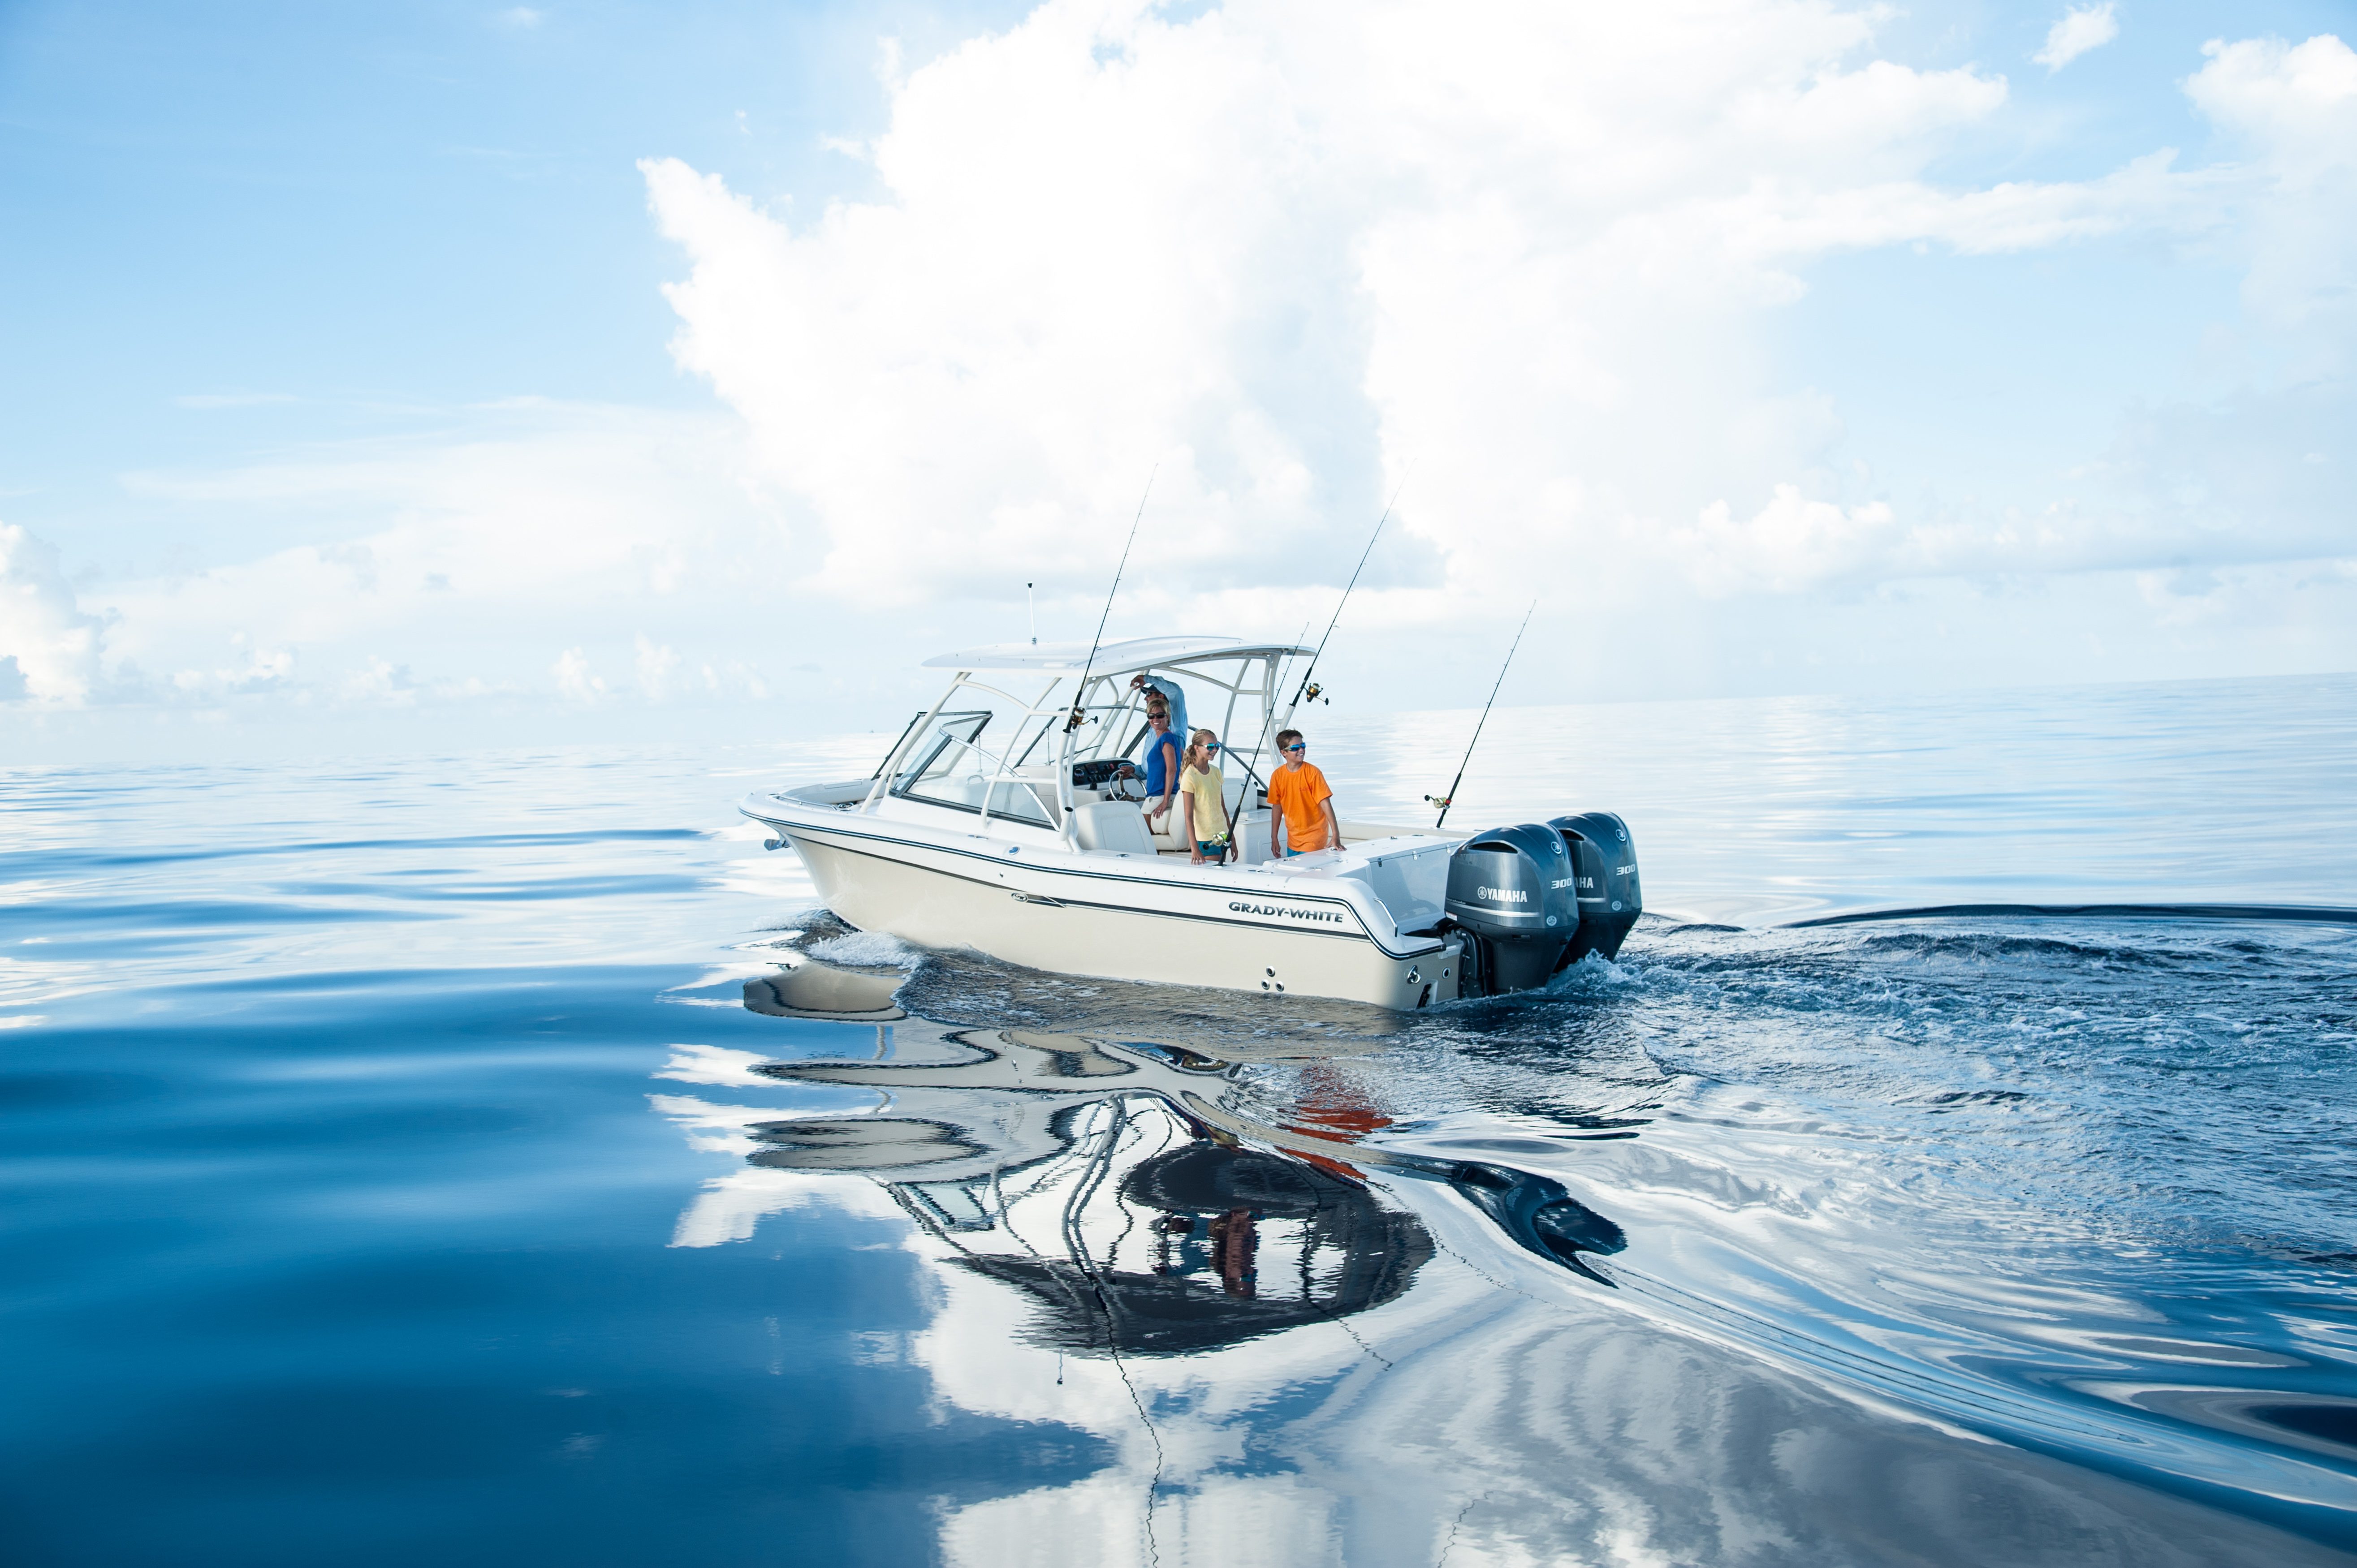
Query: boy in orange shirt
{"type": "Point", "coordinates": [1303, 802]}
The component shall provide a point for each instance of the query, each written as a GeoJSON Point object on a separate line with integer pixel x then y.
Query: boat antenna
{"type": "Point", "coordinates": [1442, 801]}
{"type": "Point", "coordinates": [1080, 695]}
{"type": "Point", "coordinates": [1032, 605]}
{"type": "Point", "coordinates": [1306, 689]}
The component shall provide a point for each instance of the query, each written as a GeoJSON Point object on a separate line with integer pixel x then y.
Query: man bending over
{"type": "Point", "coordinates": [1173, 698]}
{"type": "Point", "coordinates": [1303, 802]}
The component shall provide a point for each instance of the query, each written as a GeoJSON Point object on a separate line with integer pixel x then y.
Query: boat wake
{"type": "Point", "coordinates": [2068, 1183]}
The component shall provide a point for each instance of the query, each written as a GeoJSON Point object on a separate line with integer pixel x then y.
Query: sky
{"type": "Point", "coordinates": [466, 375]}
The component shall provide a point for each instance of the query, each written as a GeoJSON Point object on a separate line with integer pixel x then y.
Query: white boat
{"type": "Point", "coordinates": [1000, 821]}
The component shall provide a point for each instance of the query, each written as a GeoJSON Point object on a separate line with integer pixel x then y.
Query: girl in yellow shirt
{"type": "Point", "coordinates": [1204, 810]}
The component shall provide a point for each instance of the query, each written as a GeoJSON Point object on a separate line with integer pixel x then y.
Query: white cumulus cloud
{"type": "Point", "coordinates": [50, 648]}
{"type": "Point", "coordinates": [2083, 28]}
{"type": "Point", "coordinates": [574, 678]}
{"type": "Point", "coordinates": [1792, 543]}
{"type": "Point", "coordinates": [464, 561]}
{"type": "Point", "coordinates": [1291, 252]}
{"type": "Point", "coordinates": [658, 667]}
{"type": "Point", "coordinates": [1540, 262]}
{"type": "Point", "coordinates": [2293, 109]}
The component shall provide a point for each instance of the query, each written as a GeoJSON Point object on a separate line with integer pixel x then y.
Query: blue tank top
{"type": "Point", "coordinates": [1162, 763]}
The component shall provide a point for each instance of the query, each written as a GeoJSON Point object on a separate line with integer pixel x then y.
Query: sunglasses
{"type": "Point", "coordinates": [1297, 749]}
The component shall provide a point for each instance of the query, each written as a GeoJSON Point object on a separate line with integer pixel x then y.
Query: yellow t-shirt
{"type": "Point", "coordinates": [1203, 786]}
{"type": "Point", "coordinates": [1299, 793]}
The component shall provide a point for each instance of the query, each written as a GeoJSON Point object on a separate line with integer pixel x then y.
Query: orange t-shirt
{"type": "Point", "coordinates": [1298, 793]}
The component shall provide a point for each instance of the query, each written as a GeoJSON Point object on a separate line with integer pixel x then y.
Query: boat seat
{"type": "Point", "coordinates": [1112, 825]}
{"type": "Point", "coordinates": [1169, 841]}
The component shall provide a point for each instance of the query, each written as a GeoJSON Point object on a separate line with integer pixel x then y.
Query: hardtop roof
{"type": "Point", "coordinates": [1111, 657]}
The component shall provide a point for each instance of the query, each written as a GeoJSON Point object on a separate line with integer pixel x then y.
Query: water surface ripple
{"type": "Point", "coordinates": [499, 1158]}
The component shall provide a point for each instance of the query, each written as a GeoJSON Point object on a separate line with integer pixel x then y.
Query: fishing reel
{"type": "Point", "coordinates": [1079, 717]}
{"type": "Point", "coordinates": [1309, 695]}
{"type": "Point", "coordinates": [1439, 801]}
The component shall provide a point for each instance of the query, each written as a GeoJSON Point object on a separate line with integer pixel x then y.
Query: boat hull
{"type": "Point", "coordinates": [1116, 916]}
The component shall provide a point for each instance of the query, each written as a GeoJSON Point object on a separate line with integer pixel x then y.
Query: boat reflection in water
{"type": "Point", "coordinates": [1118, 1186]}
{"type": "Point", "coordinates": [1295, 1333]}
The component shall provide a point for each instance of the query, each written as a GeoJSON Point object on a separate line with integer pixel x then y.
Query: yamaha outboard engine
{"type": "Point", "coordinates": [1604, 867]}
{"type": "Point", "coordinates": [1509, 891]}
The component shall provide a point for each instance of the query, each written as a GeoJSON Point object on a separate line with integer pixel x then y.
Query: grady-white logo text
{"type": "Point", "coordinates": [1278, 910]}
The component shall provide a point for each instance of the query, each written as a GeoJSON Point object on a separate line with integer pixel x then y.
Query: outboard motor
{"type": "Point", "coordinates": [1510, 890]}
{"type": "Point", "coordinates": [1604, 865]}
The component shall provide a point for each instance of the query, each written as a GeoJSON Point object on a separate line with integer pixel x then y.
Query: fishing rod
{"type": "Point", "coordinates": [1240, 802]}
{"type": "Point", "coordinates": [1307, 690]}
{"type": "Point", "coordinates": [1442, 801]}
{"type": "Point", "coordinates": [1285, 669]}
{"type": "Point", "coordinates": [1080, 695]}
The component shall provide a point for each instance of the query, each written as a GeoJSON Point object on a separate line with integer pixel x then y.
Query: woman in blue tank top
{"type": "Point", "coordinates": [1161, 766]}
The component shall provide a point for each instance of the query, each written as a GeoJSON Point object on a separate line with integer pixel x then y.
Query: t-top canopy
{"type": "Point", "coordinates": [1113, 658]}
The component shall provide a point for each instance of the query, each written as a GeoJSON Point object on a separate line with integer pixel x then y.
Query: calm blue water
{"type": "Point", "coordinates": [423, 1161]}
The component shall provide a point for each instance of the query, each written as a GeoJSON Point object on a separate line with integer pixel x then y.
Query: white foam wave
{"type": "Point", "coordinates": [867, 949]}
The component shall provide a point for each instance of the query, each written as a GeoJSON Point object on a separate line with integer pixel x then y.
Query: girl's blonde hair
{"type": "Point", "coordinates": [1202, 737]}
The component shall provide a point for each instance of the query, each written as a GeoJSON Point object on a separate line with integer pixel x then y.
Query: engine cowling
{"type": "Point", "coordinates": [1604, 867]}
{"type": "Point", "coordinates": [1510, 889]}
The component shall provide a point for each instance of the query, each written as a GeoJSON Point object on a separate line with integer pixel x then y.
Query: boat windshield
{"type": "Point", "coordinates": [953, 768]}
{"type": "Point", "coordinates": [1001, 754]}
